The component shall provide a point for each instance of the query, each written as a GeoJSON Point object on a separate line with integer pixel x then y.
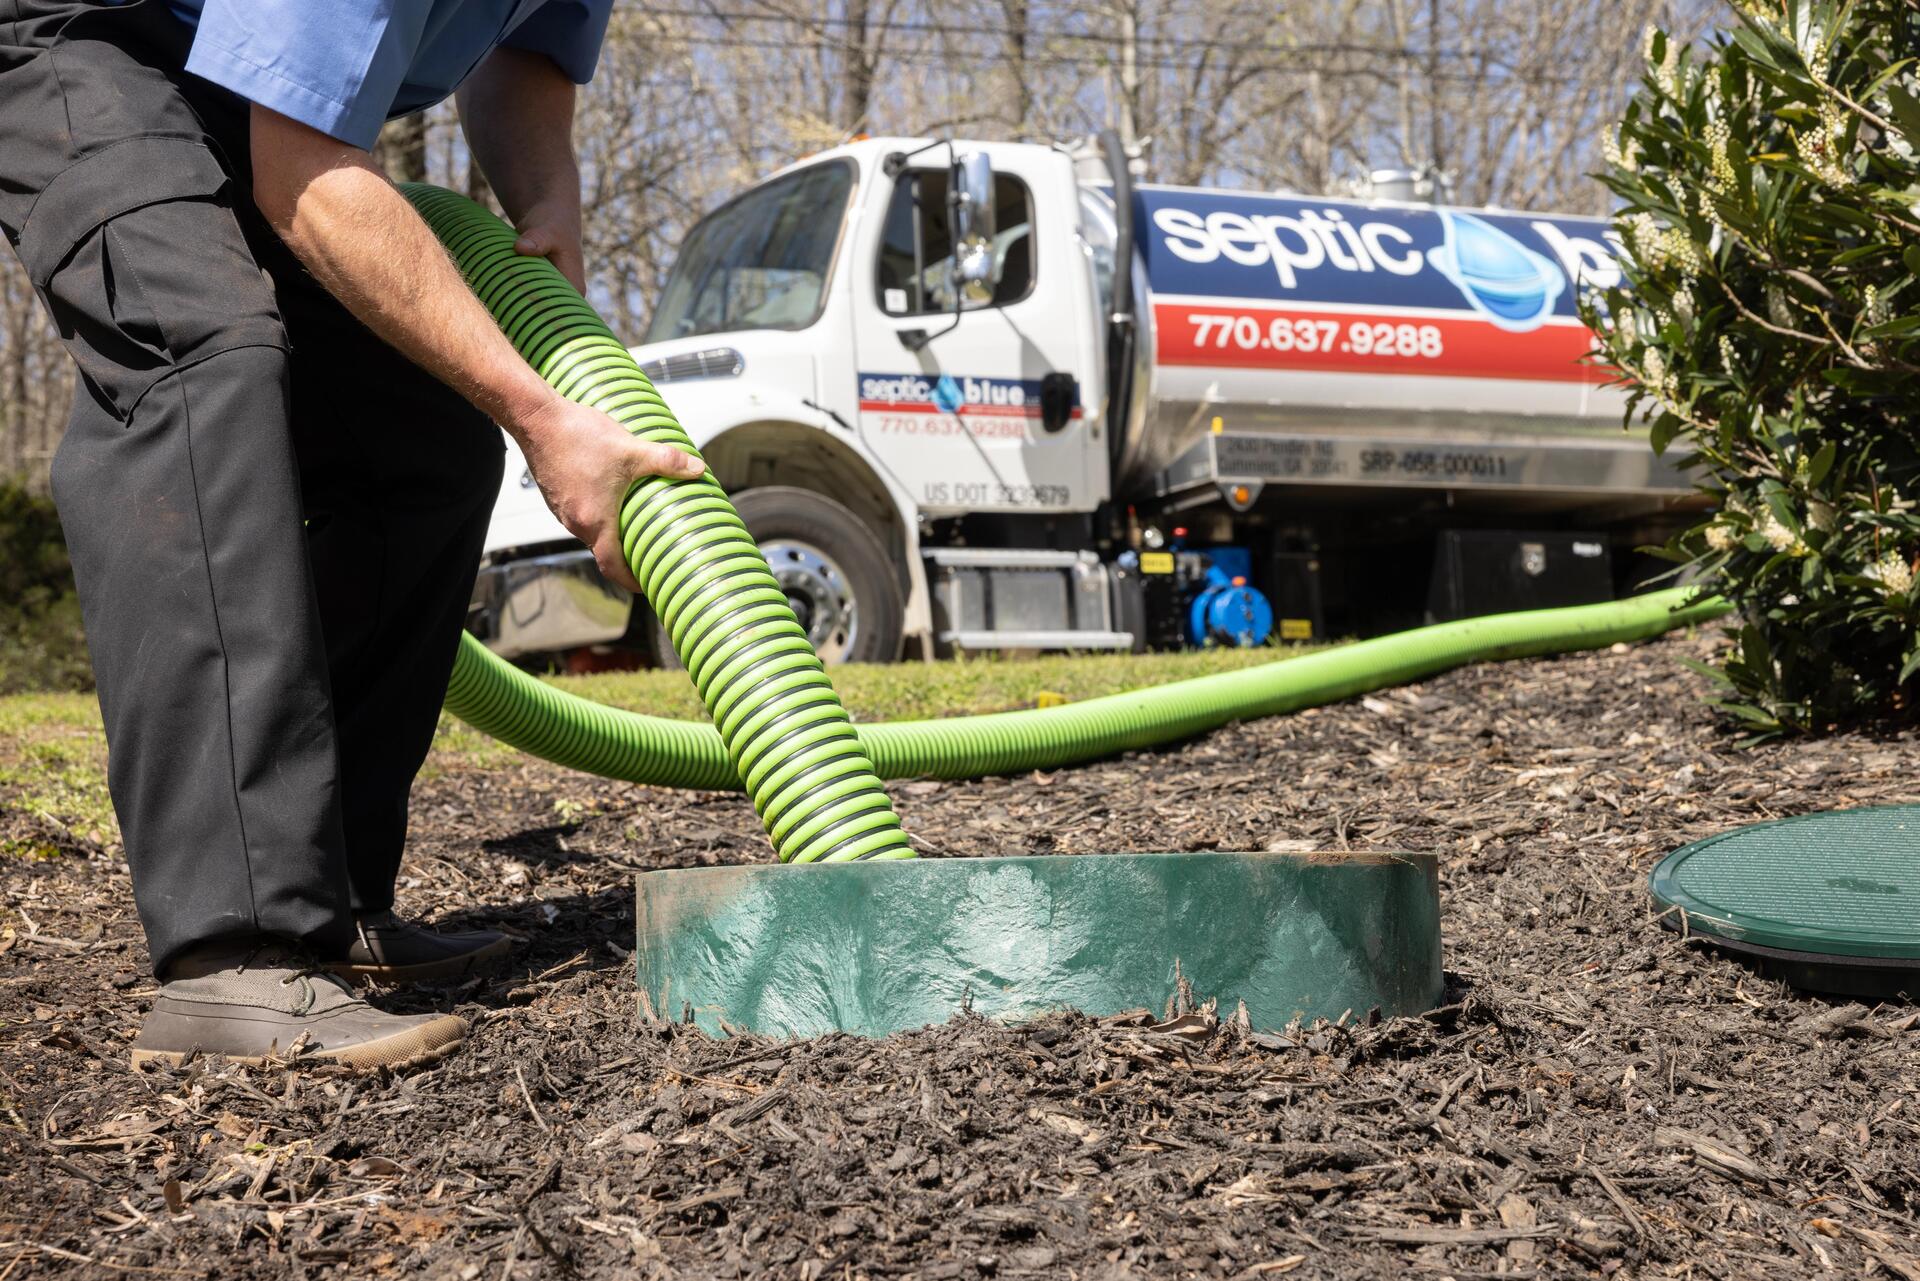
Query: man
{"type": "Point", "coordinates": [274, 510]}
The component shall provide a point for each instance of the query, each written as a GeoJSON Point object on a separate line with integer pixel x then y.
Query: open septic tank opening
{"type": "Point", "coordinates": [1828, 902]}
{"type": "Point", "coordinates": [880, 947]}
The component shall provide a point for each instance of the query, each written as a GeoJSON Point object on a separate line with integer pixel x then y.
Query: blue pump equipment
{"type": "Point", "coordinates": [1227, 610]}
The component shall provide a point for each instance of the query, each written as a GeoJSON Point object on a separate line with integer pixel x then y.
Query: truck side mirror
{"type": "Point", "coordinates": [970, 199]}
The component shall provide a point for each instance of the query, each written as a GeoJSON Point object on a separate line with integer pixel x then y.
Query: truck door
{"type": "Point", "coordinates": [997, 412]}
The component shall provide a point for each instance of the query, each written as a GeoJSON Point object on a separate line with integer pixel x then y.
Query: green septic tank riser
{"type": "Point", "coordinates": [875, 948]}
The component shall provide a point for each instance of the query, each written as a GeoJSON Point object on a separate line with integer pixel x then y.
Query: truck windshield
{"type": "Point", "coordinates": [760, 262]}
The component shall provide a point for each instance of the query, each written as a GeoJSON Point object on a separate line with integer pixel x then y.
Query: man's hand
{"type": "Point", "coordinates": [584, 463]}
{"type": "Point", "coordinates": [554, 234]}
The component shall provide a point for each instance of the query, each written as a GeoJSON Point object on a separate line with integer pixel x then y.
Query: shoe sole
{"type": "Point", "coordinates": [415, 1047]}
{"type": "Point", "coordinates": [453, 967]}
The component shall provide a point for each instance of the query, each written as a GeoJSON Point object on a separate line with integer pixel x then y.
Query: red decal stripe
{"type": "Point", "coordinates": [1344, 342]}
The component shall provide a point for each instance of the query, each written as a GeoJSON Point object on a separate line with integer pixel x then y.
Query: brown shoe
{"type": "Point", "coordinates": [267, 1001]}
{"type": "Point", "coordinates": [388, 949]}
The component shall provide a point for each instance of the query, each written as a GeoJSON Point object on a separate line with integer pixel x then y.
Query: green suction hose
{"type": "Point", "coordinates": [780, 727]}
{"type": "Point", "coordinates": [502, 701]}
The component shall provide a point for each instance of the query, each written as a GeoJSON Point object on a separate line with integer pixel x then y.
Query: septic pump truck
{"type": "Point", "coordinates": [999, 396]}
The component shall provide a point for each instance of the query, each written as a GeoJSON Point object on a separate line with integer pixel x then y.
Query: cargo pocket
{"type": "Point", "coordinates": [143, 265]}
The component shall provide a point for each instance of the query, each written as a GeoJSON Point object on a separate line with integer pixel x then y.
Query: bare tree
{"type": "Point", "coordinates": [36, 381]}
{"type": "Point", "coordinates": [1016, 16]}
{"type": "Point", "coordinates": [401, 148]}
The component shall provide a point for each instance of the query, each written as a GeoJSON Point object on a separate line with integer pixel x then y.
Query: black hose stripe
{"type": "Point", "coordinates": [817, 855]}
{"type": "Point", "coordinates": [854, 759]}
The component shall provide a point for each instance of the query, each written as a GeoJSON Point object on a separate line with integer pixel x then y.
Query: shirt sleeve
{"type": "Point", "coordinates": [567, 31]}
{"type": "Point", "coordinates": [335, 66]}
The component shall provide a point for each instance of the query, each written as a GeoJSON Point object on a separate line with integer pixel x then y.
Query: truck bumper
{"type": "Point", "coordinates": [546, 603]}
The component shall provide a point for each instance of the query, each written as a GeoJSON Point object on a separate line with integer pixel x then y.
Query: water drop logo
{"type": "Point", "coordinates": [1507, 283]}
{"type": "Point", "coordinates": [947, 394]}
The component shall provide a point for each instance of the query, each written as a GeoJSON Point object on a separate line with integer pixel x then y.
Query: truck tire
{"type": "Point", "coordinates": [835, 571]}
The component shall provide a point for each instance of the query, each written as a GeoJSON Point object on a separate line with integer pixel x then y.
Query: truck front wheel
{"type": "Point", "coordinates": [835, 572]}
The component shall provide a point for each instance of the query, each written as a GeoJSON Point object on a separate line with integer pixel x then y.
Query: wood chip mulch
{"type": "Point", "coordinates": [1598, 1096]}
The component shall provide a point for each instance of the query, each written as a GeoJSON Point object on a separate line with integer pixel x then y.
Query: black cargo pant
{"type": "Point", "coordinates": [274, 518]}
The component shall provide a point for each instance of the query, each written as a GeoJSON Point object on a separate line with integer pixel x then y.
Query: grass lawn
{"type": "Point", "coordinates": [53, 753]}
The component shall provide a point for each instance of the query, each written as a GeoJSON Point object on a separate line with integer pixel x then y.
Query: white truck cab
{"type": "Point", "coordinates": [952, 423]}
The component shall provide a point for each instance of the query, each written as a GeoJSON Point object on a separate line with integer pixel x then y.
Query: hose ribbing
{"type": "Point", "coordinates": [500, 700]}
{"type": "Point", "coordinates": [777, 722]}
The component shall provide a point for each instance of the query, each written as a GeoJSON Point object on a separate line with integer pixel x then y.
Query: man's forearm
{"type": "Point", "coordinates": [517, 114]}
{"type": "Point", "coordinates": [364, 242]}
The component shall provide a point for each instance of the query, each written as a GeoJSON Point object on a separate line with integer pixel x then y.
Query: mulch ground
{"type": "Point", "coordinates": [1598, 1095]}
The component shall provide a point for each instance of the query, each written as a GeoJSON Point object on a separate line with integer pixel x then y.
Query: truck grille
{"type": "Point", "coordinates": [717, 362]}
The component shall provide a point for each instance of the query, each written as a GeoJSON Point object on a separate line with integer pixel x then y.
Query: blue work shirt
{"type": "Point", "coordinates": [345, 67]}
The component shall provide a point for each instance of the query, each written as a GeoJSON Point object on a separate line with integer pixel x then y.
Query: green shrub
{"type": "Point", "coordinates": [1769, 328]}
{"type": "Point", "coordinates": [42, 645]}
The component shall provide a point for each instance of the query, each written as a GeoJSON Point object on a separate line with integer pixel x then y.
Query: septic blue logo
{"type": "Point", "coordinates": [1507, 283]}
{"type": "Point", "coordinates": [947, 394]}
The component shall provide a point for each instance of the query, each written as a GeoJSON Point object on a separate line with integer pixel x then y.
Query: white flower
{"type": "Point", "coordinates": [1726, 355]}
{"type": "Point", "coordinates": [1655, 376]}
{"type": "Point", "coordinates": [1778, 536]}
{"type": "Point", "coordinates": [1875, 309]}
{"type": "Point", "coordinates": [1813, 47]}
{"type": "Point", "coordinates": [1718, 135]}
{"type": "Point", "coordinates": [1679, 247]}
{"type": "Point", "coordinates": [1646, 241]}
{"type": "Point", "coordinates": [1722, 537]}
{"type": "Point", "coordinates": [1820, 154]}
{"type": "Point", "coordinates": [1683, 303]}
{"type": "Point", "coordinates": [1620, 156]}
{"type": "Point", "coordinates": [1834, 119]}
{"type": "Point", "coordinates": [1893, 574]}
{"type": "Point", "coordinates": [1666, 74]}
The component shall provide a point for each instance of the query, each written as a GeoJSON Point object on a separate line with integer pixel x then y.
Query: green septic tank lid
{"type": "Point", "coordinates": [1832, 898]}
{"type": "Point", "coordinates": [879, 947]}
